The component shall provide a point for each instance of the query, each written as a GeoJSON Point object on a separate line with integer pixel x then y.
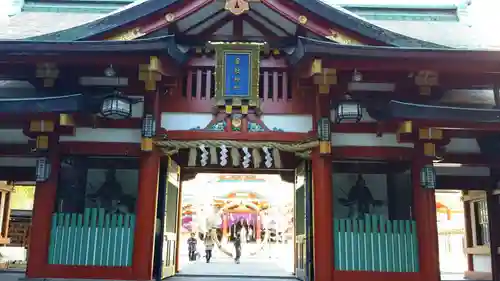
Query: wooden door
{"type": "Point", "coordinates": [170, 228]}
{"type": "Point", "coordinates": [303, 222]}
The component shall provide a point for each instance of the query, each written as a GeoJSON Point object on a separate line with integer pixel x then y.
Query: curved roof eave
{"type": "Point", "coordinates": [331, 13]}
{"type": "Point", "coordinates": [339, 16]}
{"type": "Point", "coordinates": [128, 14]}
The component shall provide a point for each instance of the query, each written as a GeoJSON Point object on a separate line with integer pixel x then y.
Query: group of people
{"type": "Point", "coordinates": [209, 243]}
{"type": "Point", "coordinates": [192, 246]}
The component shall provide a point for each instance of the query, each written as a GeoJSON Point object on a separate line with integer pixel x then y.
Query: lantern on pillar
{"type": "Point", "coordinates": [43, 169]}
{"type": "Point", "coordinates": [347, 110]}
{"type": "Point", "coordinates": [428, 177]}
{"type": "Point", "coordinates": [324, 135]}
{"type": "Point", "coordinates": [116, 106]}
{"type": "Point", "coordinates": [148, 132]}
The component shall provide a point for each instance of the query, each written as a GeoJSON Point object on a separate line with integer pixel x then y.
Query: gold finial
{"type": "Point", "coordinates": [237, 7]}
{"type": "Point", "coordinates": [170, 17]}
{"type": "Point", "coordinates": [302, 19]}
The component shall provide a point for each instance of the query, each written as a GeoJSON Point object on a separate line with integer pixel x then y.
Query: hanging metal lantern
{"type": "Point", "coordinates": [324, 135]}
{"type": "Point", "coordinates": [428, 177]}
{"type": "Point", "coordinates": [148, 126]}
{"type": "Point", "coordinates": [347, 111]}
{"type": "Point", "coordinates": [116, 107]}
{"type": "Point", "coordinates": [43, 169]}
{"type": "Point", "coordinates": [324, 129]}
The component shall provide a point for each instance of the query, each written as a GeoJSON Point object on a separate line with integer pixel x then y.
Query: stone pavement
{"type": "Point", "coordinates": [227, 267]}
{"type": "Point", "coordinates": [6, 276]}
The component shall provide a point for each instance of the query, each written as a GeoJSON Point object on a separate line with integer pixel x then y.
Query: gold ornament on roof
{"type": "Point", "coordinates": [342, 38]}
{"type": "Point", "coordinates": [237, 7]}
{"type": "Point", "coordinates": [302, 19]}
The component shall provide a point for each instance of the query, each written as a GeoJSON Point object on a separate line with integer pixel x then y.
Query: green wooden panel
{"type": "Point", "coordinates": [362, 245]}
{"type": "Point", "coordinates": [72, 232]}
{"type": "Point", "coordinates": [94, 238]}
{"type": "Point", "coordinates": [99, 238]}
{"type": "Point", "coordinates": [355, 245]}
{"type": "Point", "coordinates": [382, 240]}
{"type": "Point", "coordinates": [390, 247]}
{"type": "Point", "coordinates": [342, 248]}
{"type": "Point", "coordinates": [375, 244]}
{"type": "Point", "coordinates": [114, 229]}
{"type": "Point", "coordinates": [52, 244]}
{"type": "Point", "coordinates": [414, 246]}
{"type": "Point", "coordinates": [79, 241]}
{"type": "Point", "coordinates": [336, 242]}
{"type": "Point", "coordinates": [368, 243]}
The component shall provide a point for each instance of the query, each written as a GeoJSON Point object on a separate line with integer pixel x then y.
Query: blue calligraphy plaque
{"type": "Point", "coordinates": [237, 74]}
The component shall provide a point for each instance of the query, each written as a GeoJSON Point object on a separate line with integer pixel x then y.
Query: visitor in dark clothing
{"type": "Point", "coordinates": [192, 247]}
{"type": "Point", "coordinates": [237, 247]}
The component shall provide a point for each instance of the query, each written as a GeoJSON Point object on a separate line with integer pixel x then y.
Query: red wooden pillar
{"type": "Point", "coordinates": [43, 207]}
{"type": "Point", "coordinates": [322, 216]}
{"type": "Point", "coordinates": [424, 202]}
{"type": "Point", "coordinates": [147, 201]}
{"type": "Point", "coordinates": [224, 225]}
{"type": "Point", "coordinates": [258, 228]}
{"type": "Point", "coordinates": [468, 234]}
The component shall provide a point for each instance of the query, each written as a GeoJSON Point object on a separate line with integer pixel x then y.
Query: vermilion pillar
{"type": "Point", "coordinates": [322, 216]}
{"type": "Point", "coordinates": [424, 203]}
{"type": "Point", "coordinates": [258, 227]}
{"type": "Point", "coordinates": [224, 225]}
{"type": "Point", "coordinates": [147, 199]}
{"type": "Point", "coordinates": [43, 206]}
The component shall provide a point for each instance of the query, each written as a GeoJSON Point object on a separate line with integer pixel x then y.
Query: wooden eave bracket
{"type": "Point", "coordinates": [323, 77]}
{"type": "Point", "coordinates": [150, 73]}
{"type": "Point", "coordinates": [425, 80]}
{"type": "Point", "coordinates": [49, 72]}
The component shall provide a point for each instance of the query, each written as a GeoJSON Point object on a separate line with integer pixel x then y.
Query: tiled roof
{"type": "Point", "coordinates": [451, 34]}
{"type": "Point", "coordinates": [447, 33]}
{"type": "Point", "coordinates": [28, 24]}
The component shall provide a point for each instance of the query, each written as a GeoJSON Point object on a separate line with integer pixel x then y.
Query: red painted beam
{"type": "Point", "coordinates": [100, 148]}
{"type": "Point", "coordinates": [237, 136]}
{"type": "Point", "coordinates": [313, 23]}
{"type": "Point", "coordinates": [265, 63]}
{"type": "Point", "coordinates": [387, 64]}
{"type": "Point", "coordinates": [169, 16]}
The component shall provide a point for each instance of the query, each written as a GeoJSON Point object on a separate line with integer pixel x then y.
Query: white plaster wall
{"type": "Point", "coordinates": [462, 171]}
{"type": "Point", "coordinates": [459, 145]}
{"type": "Point", "coordinates": [138, 108]}
{"type": "Point", "coordinates": [482, 263]}
{"type": "Point", "coordinates": [289, 123]}
{"type": "Point", "coordinates": [17, 161]}
{"type": "Point", "coordinates": [13, 136]}
{"type": "Point", "coordinates": [12, 254]}
{"type": "Point", "coordinates": [386, 140]}
{"type": "Point", "coordinates": [104, 135]}
{"type": "Point", "coordinates": [184, 120]}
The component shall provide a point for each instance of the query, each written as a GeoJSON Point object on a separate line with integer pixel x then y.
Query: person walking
{"type": "Point", "coordinates": [192, 247]}
{"type": "Point", "coordinates": [237, 247]}
{"type": "Point", "coordinates": [209, 246]}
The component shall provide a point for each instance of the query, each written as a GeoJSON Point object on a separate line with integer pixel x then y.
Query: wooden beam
{"type": "Point", "coordinates": [268, 21]}
{"type": "Point", "coordinates": [386, 64]}
{"type": "Point", "coordinates": [171, 16]}
{"type": "Point", "coordinates": [209, 61]}
{"type": "Point", "coordinates": [313, 23]}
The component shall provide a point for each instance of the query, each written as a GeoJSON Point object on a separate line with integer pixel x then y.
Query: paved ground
{"type": "Point", "coordinates": [227, 267]}
{"type": "Point", "coordinates": [276, 261]}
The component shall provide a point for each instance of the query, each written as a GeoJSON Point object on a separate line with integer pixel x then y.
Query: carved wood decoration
{"type": "Point", "coordinates": [237, 7]}
{"type": "Point", "coordinates": [237, 75]}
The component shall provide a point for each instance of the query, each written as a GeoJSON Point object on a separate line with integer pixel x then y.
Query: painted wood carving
{"type": "Point", "coordinates": [237, 75]}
